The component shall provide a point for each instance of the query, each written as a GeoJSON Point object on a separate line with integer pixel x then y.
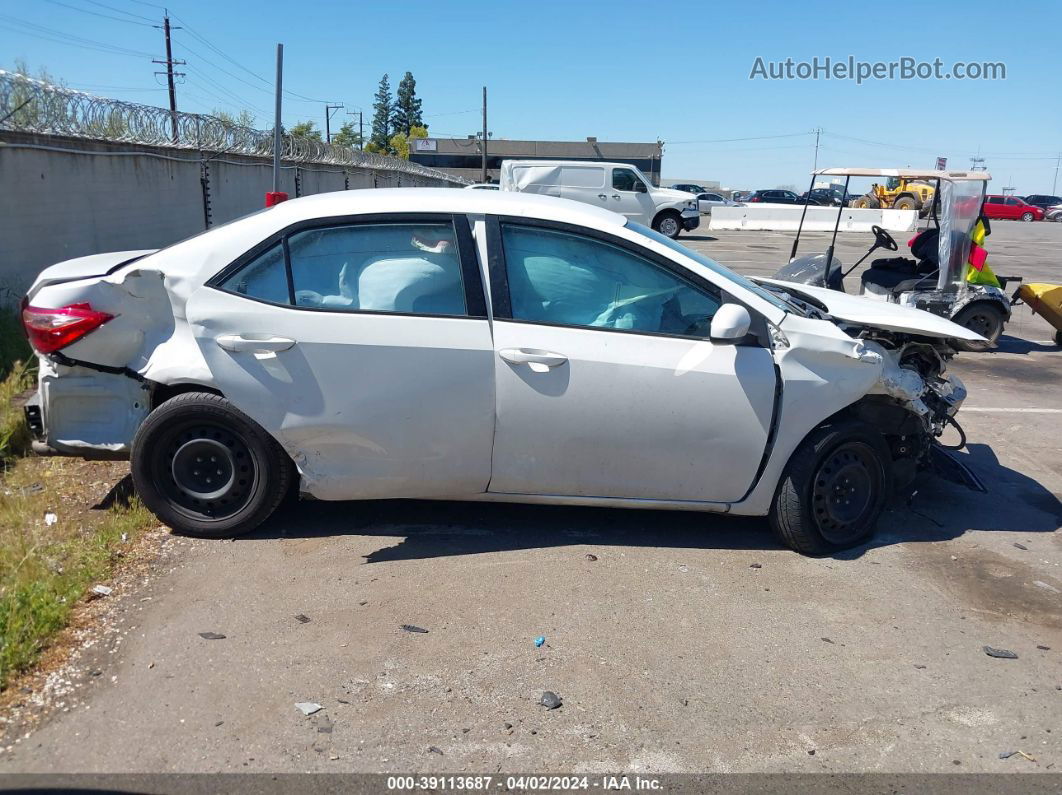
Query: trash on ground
{"type": "Point", "coordinates": [755, 565]}
{"type": "Point", "coordinates": [308, 707]}
{"type": "Point", "coordinates": [1044, 648]}
{"type": "Point", "coordinates": [591, 557]}
{"type": "Point", "coordinates": [211, 636]}
{"type": "Point", "coordinates": [1003, 654]}
{"type": "Point", "coordinates": [434, 749]}
{"type": "Point", "coordinates": [102, 590]}
{"type": "Point", "coordinates": [413, 628]}
{"type": "Point", "coordinates": [540, 640]}
{"type": "Point", "coordinates": [1045, 586]}
{"type": "Point", "coordinates": [50, 519]}
{"type": "Point", "coordinates": [1020, 546]}
{"type": "Point", "coordinates": [920, 667]}
{"type": "Point", "coordinates": [1007, 754]}
{"type": "Point", "coordinates": [125, 537]}
{"type": "Point", "coordinates": [550, 700]}
{"type": "Point", "coordinates": [302, 619]}
{"type": "Point", "coordinates": [827, 640]}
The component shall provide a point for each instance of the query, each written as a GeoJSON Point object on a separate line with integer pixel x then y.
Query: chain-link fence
{"type": "Point", "coordinates": [30, 105]}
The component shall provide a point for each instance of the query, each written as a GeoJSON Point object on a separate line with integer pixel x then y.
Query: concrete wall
{"type": "Point", "coordinates": [68, 197]}
{"type": "Point", "coordinates": [786, 218]}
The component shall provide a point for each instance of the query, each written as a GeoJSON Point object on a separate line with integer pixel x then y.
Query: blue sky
{"type": "Point", "coordinates": [621, 71]}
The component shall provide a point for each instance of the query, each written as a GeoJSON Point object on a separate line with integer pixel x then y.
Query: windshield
{"type": "Point", "coordinates": [712, 265]}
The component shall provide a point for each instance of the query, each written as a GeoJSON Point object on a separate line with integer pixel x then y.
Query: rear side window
{"type": "Point", "coordinates": [264, 277]}
{"type": "Point", "coordinates": [994, 200]}
{"type": "Point", "coordinates": [409, 268]}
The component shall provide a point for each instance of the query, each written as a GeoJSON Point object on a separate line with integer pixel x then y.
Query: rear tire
{"type": "Point", "coordinates": [668, 224]}
{"type": "Point", "coordinates": [867, 202]}
{"type": "Point", "coordinates": [984, 318]}
{"type": "Point", "coordinates": [833, 489]}
{"type": "Point", "coordinates": [206, 469]}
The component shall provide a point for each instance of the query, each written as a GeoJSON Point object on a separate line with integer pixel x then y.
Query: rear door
{"type": "Point", "coordinates": [362, 345]}
{"type": "Point", "coordinates": [994, 207]}
{"type": "Point", "coordinates": [606, 383]}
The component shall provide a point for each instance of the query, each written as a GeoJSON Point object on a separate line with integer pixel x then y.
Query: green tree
{"type": "Point", "coordinates": [305, 129]}
{"type": "Point", "coordinates": [407, 113]}
{"type": "Point", "coordinates": [244, 119]}
{"type": "Point", "coordinates": [347, 136]}
{"type": "Point", "coordinates": [383, 109]}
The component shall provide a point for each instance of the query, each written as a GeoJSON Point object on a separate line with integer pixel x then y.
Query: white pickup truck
{"type": "Point", "coordinates": [619, 187]}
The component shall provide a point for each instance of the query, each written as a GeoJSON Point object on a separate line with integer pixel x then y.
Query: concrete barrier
{"type": "Point", "coordinates": [786, 218]}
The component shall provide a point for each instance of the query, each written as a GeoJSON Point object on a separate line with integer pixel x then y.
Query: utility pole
{"type": "Point", "coordinates": [1054, 185]}
{"type": "Point", "coordinates": [276, 195]}
{"type": "Point", "coordinates": [815, 165]}
{"type": "Point", "coordinates": [170, 74]}
{"type": "Point", "coordinates": [361, 134]}
{"type": "Point", "coordinates": [328, 120]}
{"type": "Point", "coordinates": [484, 179]}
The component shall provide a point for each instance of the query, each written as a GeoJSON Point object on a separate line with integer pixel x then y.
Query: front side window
{"type": "Point", "coordinates": [625, 179]}
{"type": "Point", "coordinates": [409, 268]}
{"type": "Point", "coordinates": [1014, 202]}
{"type": "Point", "coordinates": [567, 279]}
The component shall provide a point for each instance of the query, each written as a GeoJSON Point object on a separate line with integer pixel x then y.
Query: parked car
{"type": "Point", "coordinates": [827, 197]}
{"type": "Point", "coordinates": [343, 345]}
{"type": "Point", "coordinates": [619, 187]}
{"type": "Point", "coordinates": [774, 197]}
{"type": "Point", "coordinates": [690, 188]}
{"type": "Point", "coordinates": [1044, 201]}
{"type": "Point", "coordinates": [1011, 208]}
{"type": "Point", "coordinates": [707, 201]}
{"type": "Point", "coordinates": [1054, 214]}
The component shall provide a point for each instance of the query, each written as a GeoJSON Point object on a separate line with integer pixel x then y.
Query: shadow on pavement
{"type": "Point", "coordinates": [1008, 344]}
{"type": "Point", "coordinates": [937, 511]}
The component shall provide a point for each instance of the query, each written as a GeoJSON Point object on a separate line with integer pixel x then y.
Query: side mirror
{"type": "Point", "coordinates": [639, 187]}
{"type": "Point", "coordinates": [730, 324]}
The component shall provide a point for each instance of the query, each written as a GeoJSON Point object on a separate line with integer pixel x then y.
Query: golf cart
{"type": "Point", "coordinates": [939, 278]}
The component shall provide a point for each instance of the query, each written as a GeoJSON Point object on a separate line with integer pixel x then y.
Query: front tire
{"type": "Point", "coordinates": [833, 489]}
{"type": "Point", "coordinates": [906, 203]}
{"type": "Point", "coordinates": [1027, 217]}
{"type": "Point", "coordinates": [206, 469]}
{"type": "Point", "coordinates": [668, 224]}
{"type": "Point", "coordinates": [985, 319]}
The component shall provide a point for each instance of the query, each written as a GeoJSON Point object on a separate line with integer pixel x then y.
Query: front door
{"type": "Point", "coordinates": [364, 349]}
{"type": "Point", "coordinates": [606, 382]}
{"type": "Point", "coordinates": [629, 196]}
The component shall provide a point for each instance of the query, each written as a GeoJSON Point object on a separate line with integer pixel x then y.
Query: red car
{"type": "Point", "coordinates": [1011, 208]}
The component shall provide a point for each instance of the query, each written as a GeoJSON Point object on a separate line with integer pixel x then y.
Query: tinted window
{"type": "Point", "coordinates": [713, 197]}
{"type": "Point", "coordinates": [1013, 201]}
{"type": "Point", "coordinates": [264, 278]}
{"type": "Point", "coordinates": [562, 278]}
{"type": "Point", "coordinates": [994, 200]}
{"type": "Point", "coordinates": [412, 268]}
{"type": "Point", "coordinates": [624, 179]}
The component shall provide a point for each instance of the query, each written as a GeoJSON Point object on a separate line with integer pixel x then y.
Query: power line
{"type": "Point", "coordinates": [749, 138]}
{"type": "Point", "coordinates": [58, 36]}
{"type": "Point", "coordinates": [119, 10]}
{"type": "Point", "coordinates": [98, 14]}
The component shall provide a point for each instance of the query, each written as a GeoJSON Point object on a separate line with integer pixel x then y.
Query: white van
{"type": "Point", "coordinates": [618, 187]}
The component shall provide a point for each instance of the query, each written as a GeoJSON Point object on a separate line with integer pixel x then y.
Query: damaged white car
{"type": "Point", "coordinates": [453, 344]}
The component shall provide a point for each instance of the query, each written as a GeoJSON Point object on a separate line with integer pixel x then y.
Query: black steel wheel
{"type": "Point", "coordinates": [207, 469]}
{"type": "Point", "coordinates": [844, 491]}
{"type": "Point", "coordinates": [984, 318]}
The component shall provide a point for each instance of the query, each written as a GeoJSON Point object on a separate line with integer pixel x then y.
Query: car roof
{"type": "Point", "coordinates": [446, 200]}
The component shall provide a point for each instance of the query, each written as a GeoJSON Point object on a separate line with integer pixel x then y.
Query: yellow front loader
{"type": "Point", "coordinates": [897, 193]}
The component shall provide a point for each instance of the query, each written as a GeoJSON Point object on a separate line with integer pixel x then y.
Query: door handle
{"type": "Point", "coordinates": [602, 196]}
{"type": "Point", "coordinates": [260, 344]}
{"type": "Point", "coordinates": [616, 196]}
{"type": "Point", "coordinates": [532, 357]}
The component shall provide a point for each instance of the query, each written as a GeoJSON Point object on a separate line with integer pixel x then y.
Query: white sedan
{"type": "Point", "coordinates": [472, 345]}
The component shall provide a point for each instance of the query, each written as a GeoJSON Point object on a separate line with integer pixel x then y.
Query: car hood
{"type": "Point", "coordinates": [84, 267]}
{"type": "Point", "coordinates": [860, 311]}
{"type": "Point", "coordinates": [674, 195]}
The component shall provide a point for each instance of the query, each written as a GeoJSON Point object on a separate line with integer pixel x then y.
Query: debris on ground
{"type": "Point", "coordinates": [591, 557]}
{"type": "Point", "coordinates": [218, 723]}
{"type": "Point", "coordinates": [1021, 546]}
{"type": "Point", "coordinates": [362, 604]}
{"type": "Point", "coordinates": [50, 519]}
{"type": "Point", "coordinates": [1044, 648]}
{"type": "Point", "coordinates": [211, 636]}
{"type": "Point", "coordinates": [1022, 754]}
{"type": "Point", "coordinates": [755, 565]}
{"type": "Point", "coordinates": [1003, 654]}
{"type": "Point", "coordinates": [540, 640]}
{"type": "Point", "coordinates": [434, 749]}
{"type": "Point", "coordinates": [302, 619]}
{"type": "Point", "coordinates": [414, 628]}
{"type": "Point", "coordinates": [811, 752]}
{"type": "Point", "coordinates": [827, 640]}
{"type": "Point", "coordinates": [102, 590]}
{"type": "Point", "coordinates": [550, 700]}
{"type": "Point", "coordinates": [308, 707]}
{"type": "Point", "coordinates": [1046, 586]}
{"type": "Point", "coordinates": [920, 667]}
{"type": "Point", "coordinates": [508, 726]}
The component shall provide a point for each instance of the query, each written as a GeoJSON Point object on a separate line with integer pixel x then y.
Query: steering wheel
{"type": "Point", "coordinates": [883, 239]}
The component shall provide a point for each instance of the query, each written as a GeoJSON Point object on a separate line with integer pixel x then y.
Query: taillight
{"type": "Point", "coordinates": [51, 329]}
{"type": "Point", "coordinates": [754, 198]}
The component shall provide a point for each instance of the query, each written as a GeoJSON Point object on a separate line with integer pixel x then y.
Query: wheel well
{"type": "Point", "coordinates": [668, 211]}
{"type": "Point", "coordinates": [995, 303]}
{"type": "Point", "coordinates": [163, 392]}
